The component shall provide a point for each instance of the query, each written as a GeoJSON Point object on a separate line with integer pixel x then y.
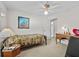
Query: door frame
{"type": "Point", "coordinates": [54, 19]}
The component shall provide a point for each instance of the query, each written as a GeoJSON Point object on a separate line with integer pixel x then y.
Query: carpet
{"type": "Point", "coordinates": [50, 50]}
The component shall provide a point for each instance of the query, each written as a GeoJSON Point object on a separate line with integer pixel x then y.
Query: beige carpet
{"type": "Point", "coordinates": [50, 50]}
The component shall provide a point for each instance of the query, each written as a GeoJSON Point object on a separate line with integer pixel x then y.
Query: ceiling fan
{"type": "Point", "coordinates": [46, 7]}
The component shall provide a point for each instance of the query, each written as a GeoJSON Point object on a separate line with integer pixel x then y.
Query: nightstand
{"type": "Point", "coordinates": [11, 51]}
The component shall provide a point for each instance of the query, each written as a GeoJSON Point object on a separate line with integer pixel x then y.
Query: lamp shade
{"type": "Point", "coordinates": [7, 32]}
{"type": "Point", "coordinates": [2, 14]}
{"type": "Point", "coordinates": [65, 28]}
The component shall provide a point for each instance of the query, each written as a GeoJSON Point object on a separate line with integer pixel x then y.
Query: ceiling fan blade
{"type": "Point", "coordinates": [55, 6]}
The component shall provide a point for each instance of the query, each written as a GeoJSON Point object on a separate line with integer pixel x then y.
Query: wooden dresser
{"type": "Point", "coordinates": [61, 37]}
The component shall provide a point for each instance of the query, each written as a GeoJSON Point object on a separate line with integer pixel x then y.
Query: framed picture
{"type": "Point", "coordinates": [23, 22]}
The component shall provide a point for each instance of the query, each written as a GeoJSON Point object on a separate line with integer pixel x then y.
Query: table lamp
{"type": "Point", "coordinates": [7, 32]}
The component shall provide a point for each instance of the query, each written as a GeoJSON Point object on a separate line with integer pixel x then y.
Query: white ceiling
{"type": "Point", "coordinates": [35, 7]}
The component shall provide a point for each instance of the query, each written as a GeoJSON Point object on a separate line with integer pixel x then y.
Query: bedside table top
{"type": "Point", "coordinates": [13, 47]}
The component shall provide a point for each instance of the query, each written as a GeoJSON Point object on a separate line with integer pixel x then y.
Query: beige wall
{"type": "Point", "coordinates": [41, 24]}
{"type": "Point", "coordinates": [69, 18]}
{"type": "Point", "coordinates": [35, 25]}
{"type": "Point", "coordinates": [3, 20]}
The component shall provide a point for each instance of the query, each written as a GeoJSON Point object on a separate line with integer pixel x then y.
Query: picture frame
{"type": "Point", "coordinates": [23, 22]}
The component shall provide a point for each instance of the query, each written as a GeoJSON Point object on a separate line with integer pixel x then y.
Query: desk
{"type": "Point", "coordinates": [61, 37]}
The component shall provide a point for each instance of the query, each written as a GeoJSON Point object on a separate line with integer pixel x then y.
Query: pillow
{"type": "Point", "coordinates": [76, 32]}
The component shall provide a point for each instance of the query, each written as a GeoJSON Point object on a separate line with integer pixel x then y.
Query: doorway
{"type": "Point", "coordinates": [53, 28]}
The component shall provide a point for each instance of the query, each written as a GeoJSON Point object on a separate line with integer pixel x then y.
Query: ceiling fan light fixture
{"type": "Point", "coordinates": [45, 8]}
{"type": "Point", "coordinates": [46, 12]}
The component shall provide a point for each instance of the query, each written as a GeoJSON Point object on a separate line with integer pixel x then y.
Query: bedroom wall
{"type": "Point", "coordinates": [3, 20]}
{"type": "Point", "coordinates": [41, 24]}
{"type": "Point", "coordinates": [69, 17]}
{"type": "Point", "coordinates": [35, 25]}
